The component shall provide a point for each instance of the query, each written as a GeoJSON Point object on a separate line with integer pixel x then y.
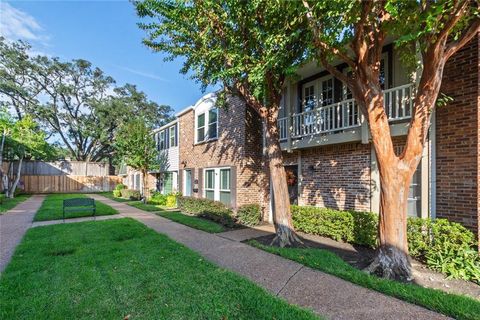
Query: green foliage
{"type": "Point", "coordinates": [253, 44]}
{"type": "Point", "coordinates": [443, 246]}
{"type": "Point", "coordinates": [76, 101]}
{"type": "Point", "coordinates": [120, 186]}
{"type": "Point", "coordinates": [192, 221]}
{"type": "Point", "coordinates": [171, 201]}
{"type": "Point", "coordinates": [131, 194]}
{"type": "Point", "coordinates": [249, 214]}
{"type": "Point", "coordinates": [117, 193]}
{"type": "Point", "coordinates": [157, 198]}
{"type": "Point", "coordinates": [206, 208]}
{"type": "Point", "coordinates": [348, 226]}
{"type": "Point", "coordinates": [136, 147]}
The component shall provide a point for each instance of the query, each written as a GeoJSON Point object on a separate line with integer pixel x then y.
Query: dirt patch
{"type": "Point", "coordinates": [360, 257]}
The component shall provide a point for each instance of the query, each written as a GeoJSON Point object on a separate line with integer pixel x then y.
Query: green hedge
{"type": "Point", "coordinates": [131, 194]}
{"type": "Point", "coordinates": [442, 245]}
{"type": "Point", "coordinates": [249, 214]}
{"type": "Point", "coordinates": [209, 209]}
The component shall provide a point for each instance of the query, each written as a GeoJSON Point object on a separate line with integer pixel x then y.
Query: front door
{"type": "Point", "coordinates": [292, 183]}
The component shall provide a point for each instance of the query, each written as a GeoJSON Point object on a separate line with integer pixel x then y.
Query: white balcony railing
{"type": "Point", "coordinates": [344, 115]}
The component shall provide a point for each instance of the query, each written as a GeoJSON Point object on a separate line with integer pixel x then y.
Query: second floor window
{"type": "Point", "coordinates": [173, 136]}
{"type": "Point", "coordinates": [207, 125]}
{"type": "Point", "coordinates": [161, 140]}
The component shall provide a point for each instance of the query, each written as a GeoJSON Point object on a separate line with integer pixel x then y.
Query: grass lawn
{"type": "Point", "coordinates": [145, 206]}
{"type": "Point", "coordinates": [458, 307]}
{"type": "Point", "coordinates": [7, 203]}
{"type": "Point", "coordinates": [118, 268]}
{"type": "Point", "coordinates": [109, 195]}
{"type": "Point", "coordinates": [194, 222]}
{"type": "Point", "coordinates": [52, 208]}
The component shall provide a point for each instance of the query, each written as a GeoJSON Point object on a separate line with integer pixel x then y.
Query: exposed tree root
{"type": "Point", "coordinates": [391, 263]}
{"type": "Point", "coordinates": [285, 237]}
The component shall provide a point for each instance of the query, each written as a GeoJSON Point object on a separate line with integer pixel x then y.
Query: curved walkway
{"type": "Point", "coordinates": [325, 294]}
{"type": "Point", "coordinates": [13, 225]}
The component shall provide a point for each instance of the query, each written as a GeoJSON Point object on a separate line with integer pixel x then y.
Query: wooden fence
{"type": "Point", "coordinates": [63, 176]}
{"type": "Point", "coordinates": [50, 184]}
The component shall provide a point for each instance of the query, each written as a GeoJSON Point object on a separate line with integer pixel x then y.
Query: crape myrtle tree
{"type": "Point", "coordinates": [247, 47]}
{"type": "Point", "coordinates": [354, 32]}
{"type": "Point", "coordinates": [25, 141]}
{"type": "Point", "coordinates": [136, 148]}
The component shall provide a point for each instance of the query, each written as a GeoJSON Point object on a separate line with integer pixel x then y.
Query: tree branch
{"type": "Point", "coordinates": [466, 36]}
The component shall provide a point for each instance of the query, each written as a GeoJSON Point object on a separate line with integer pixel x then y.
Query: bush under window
{"type": "Point", "coordinates": [131, 194]}
{"type": "Point", "coordinates": [206, 208]}
{"type": "Point", "coordinates": [249, 214]}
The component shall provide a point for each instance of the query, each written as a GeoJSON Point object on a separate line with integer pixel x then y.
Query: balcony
{"type": "Point", "coordinates": [344, 116]}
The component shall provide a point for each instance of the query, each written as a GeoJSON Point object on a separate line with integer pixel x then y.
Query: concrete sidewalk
{"type": "Point", "coordinates": [325, 294]}
{"type": "Point", "coordinates": [13, 225]}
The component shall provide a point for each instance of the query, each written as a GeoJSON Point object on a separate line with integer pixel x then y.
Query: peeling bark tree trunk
{"type": "Point", "coordinates": [144, 185]}
{"type": "Point", "coordinates": [282, 219]}
{"type": "Point", "coordinates": [2, 146]}
{"type": "Point", "coordinates": [11, 191]}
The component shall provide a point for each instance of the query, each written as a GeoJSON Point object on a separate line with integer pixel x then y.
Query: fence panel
{"type": "Point", "coordinates": [64, 183]}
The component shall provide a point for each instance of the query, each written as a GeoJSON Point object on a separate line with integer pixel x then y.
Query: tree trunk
{"type": "Point", "coordinates": [144, 185]}
{"type": "Point", "coordinates": [392, 260]}
{"type": "Point", "coordinates": [282, 218]}
{"type": "Point", "coordinates": [11, 191]}
{"type": "Point", "coordinates": [2, 145]}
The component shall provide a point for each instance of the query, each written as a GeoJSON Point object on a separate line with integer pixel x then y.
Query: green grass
{"type": "Point", "coordinates": [109, 195]}
{"type": "Point", "coordinates": [7, 203]}
{"type": "Point", "coordinates": [145, 206]}
{"type": "Point", "coordinates": [194, 222]}
{"type": "Point", "coordinates": [459, 307]}
{"type": "Point", "coordinates": [112, 269]}
{"type": "Point", "coordinates": [52, 208]}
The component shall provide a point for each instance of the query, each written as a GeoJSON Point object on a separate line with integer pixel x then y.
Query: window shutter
{"type": "Point", "coordinates": [233, 187]}
{"type": "Point", "coordinates": [180, 181]}
{"type": "Point", "coordinates": [192, 184]}
{"type": "Point", "coordinates": [176, 134]}
{"type": "Point", "coordinates": [200, 183]}
{"type": "Point", "coordinates": [167, 138]}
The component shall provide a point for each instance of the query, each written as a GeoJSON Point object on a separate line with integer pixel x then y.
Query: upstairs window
{"type": "Point", "coordinates": [173, 136]}
{"type": "Point", "coordinates": [162, 141]}
{"type": "Point", "coordinates": [207, 125]}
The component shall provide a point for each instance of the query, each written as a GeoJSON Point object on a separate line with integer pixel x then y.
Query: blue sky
{"type": "Point", "coordinates": [105, 33]}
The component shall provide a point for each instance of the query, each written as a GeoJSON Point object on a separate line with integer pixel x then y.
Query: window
{"type": "Point", "coordinates": [309, 100]}
{"type": "Point", "coordinates": [218, 185]}
{"type": "Point", "coordinates": [207, 125]}
{"type": "Point", "coordinates": [414, 206]}
{"type": "Point", "coordinates": [187, 177]}
{"type": "Point", "coordinates": [173, 136]}
{"type": "Point", "coordinates": [167, 182]}
{"type": "Point", "coordinates": [210, 184]}
{"type": "Point", "coordinates": [225, 186]}
{"type": "Point", "coordinates": [162, 141]}
{"type": "Point", "coordinates": [327, 92]}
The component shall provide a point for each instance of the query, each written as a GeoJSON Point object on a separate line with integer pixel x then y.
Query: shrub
{"type": "Point", "coordinates": [249, 214]}
{"type": "Point", "coordinates": [207, 208]}
{"type": "Point", "coordinates": [157, 198]}
{"type": "Point", "coordinates": [117, 193]}
{"type": "Point", "coordinates": [131, 194]}
{"type": "Point", "coordinates": [348, 226]}
{"type": "Point", "coordinates": [171, 201]}
{"type": "Point", "coordinates": [120, 186]}
{"type": "Point", "coordinates": [442, 245]}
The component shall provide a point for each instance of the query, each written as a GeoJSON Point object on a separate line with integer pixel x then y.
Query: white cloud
{"type": "Point", "coordinates": [144, 74]}
{"type": "Point", "coordinates": [16, 24]}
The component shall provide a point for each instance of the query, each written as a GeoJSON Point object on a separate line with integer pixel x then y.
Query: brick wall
{"type": "Point", "coordinates": [336, 176]}
{"type": "Point", "coordinates": [457, 145]}
{"type": "Point", "coordinates": [239, 145]}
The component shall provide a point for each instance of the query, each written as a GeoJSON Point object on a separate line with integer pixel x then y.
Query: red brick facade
{"type": "Point", "coordinates": [239, 146]}
{"type": "Point", "coordinates": [457, 139]}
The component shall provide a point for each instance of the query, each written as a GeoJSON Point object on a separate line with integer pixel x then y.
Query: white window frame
{"type": "Point", "coordinates": [206, 125]}
{"type": "Point", "coordinates": [174, 136]}
{"type": "Point", "coordinates": [185, 182]}
{"type": "Point", "coordinates": [216, 182]}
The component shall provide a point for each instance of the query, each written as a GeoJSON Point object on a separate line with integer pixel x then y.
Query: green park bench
{"type": "Point", "coordinates": [79, 204]}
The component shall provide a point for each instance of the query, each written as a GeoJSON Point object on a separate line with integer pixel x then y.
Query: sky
{"type": "Point", "coordinates": [104, 33]}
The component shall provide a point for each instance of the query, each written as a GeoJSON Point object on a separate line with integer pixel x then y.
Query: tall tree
{"type": "Point", "coordinates": [136, 147]}
{"type": "Point", "coordinates": [248, 47]}
{"type": "Point", "coordinates": [25, 141]}
{"type": "Point", "coordinates": [74, 101]}
{"type": "Point", "coordinates": [355, 32]}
